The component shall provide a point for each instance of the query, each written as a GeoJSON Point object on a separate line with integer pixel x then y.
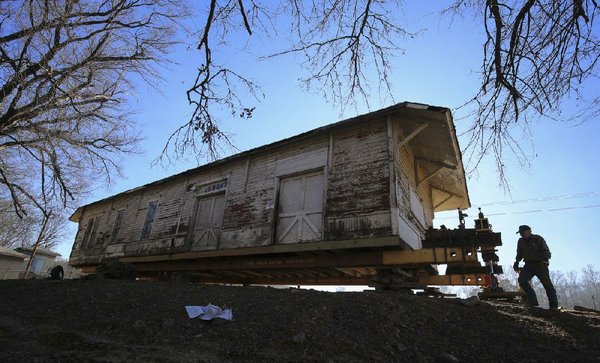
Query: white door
{"type": "Point", "coordinates": [207, 224]}
{"type": "Point", "coordinates": [300, 212]}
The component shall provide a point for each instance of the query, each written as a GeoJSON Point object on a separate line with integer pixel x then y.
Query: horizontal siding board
{"type": "Point", "coordinates": [358, 183]}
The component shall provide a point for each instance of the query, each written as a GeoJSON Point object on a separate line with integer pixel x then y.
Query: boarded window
{"type": "Point", "coordinates": [89, 238]}
{"type": "Point", "coordinates": [300, 211]}
{"type": "Point", "coordinates": [117, 226]}
{"type": "Point", "coordinates": [207, 222]}
{"type": "Point", "coordinates": [152, 206]}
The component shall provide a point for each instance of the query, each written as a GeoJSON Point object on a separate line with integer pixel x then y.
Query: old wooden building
{"type": "Point", "coordinates": [372, 182]}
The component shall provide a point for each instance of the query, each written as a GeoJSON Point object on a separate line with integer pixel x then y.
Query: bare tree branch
{"type": "Point", "coordinates": [64, 69]}
{"type": "Point", "coordinates": [537, 54]}
{"type": "Point", "coordinates": [341, 42]}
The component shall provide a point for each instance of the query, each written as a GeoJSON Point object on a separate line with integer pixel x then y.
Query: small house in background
{"type": "Point", "coordinates": [43, 260]}
{"type": "Point", "coordinates": [369, 183]}
{"type": "Point", "coordinates": [12, 263]}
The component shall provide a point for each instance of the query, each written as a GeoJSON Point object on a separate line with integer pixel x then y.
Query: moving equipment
{"type": "Point", "coordinates": [386, 266]}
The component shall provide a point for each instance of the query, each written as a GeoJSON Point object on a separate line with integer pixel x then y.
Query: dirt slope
{"type": "Point", "coordinates": [114, 321]}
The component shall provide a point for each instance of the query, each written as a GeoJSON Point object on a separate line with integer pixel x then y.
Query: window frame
{"type": "Point", "coordinates": [91, 232]}
{"type": "Point", "coordinates": [114, 235]}
{"type": "Point", "coordinates": [149, 223]}
{"type": "Point", "coordinates": [211, 188]}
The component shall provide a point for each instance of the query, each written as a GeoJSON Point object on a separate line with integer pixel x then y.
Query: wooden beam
{"type": "Point", "coordinates": [346, 280]}
{"type": "Point", "coordinates": [446, 199]}
{"type": "Point", "coordinates": [271, 249]}
{"type": "Point", "coordinates": [443, 201]}
{"type": "Point", "coordinates": [392, 179]}
{"type": "Point", "coordinates": [429, 176]}
{"type": "Point", "coordinates": [412, 135]}
{"type": "Point", "coordinates": [323, 279]}
{"type": "Point", "coordinates": [452, 280]}
{"type": "Point", "coordinates": [246, 174]}
{"type": "Point", "coordinates": [262, 263]}
{"type": "Point", "coordinates": [427, 256]}
{"type": "Point", "coordinates": [436, 162]}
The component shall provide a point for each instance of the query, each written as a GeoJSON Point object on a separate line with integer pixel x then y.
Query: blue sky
{"type": "Point", "coordinates": [440, 67]}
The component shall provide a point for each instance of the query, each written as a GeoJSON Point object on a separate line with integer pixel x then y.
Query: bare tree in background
{"type": "Point", "coordinates": [65, 67]}
{"type": "Point", "coordinates": [536, 55]}
{"type": "Point", "coordinates": [572, 289]}
{"type": "Point", "coordinates": [15, 231]}
{"type": "Point", "coordinates": [591, 282]}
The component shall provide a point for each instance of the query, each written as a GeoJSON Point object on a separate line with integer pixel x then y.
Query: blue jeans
{"type": "Point", "coordinates": [543, 274]}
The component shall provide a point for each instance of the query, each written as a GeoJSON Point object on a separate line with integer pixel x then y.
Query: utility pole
{"type": "Point", "coordinates": [37, 242]}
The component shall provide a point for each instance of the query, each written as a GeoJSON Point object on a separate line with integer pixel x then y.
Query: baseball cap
{"type": "Point", "coordinates": [523, 228]}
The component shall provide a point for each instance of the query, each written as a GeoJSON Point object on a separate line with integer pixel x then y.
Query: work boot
{"type": "Point", "coordinates": [555, 308]}
{"type": "Point", "coordinates": [529, 304]}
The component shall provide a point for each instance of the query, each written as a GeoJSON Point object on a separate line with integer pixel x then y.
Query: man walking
{"type": "Point", "coordinates": [57, 273]}
{"type": "Point", "coordinates": [533, 249]}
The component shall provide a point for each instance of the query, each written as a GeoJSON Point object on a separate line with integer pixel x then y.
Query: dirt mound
{"type": "Point", "coordinates": [114, 321]}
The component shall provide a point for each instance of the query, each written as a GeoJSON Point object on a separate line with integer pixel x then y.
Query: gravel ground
{"type": "Point", "coordinates": [123, 321]}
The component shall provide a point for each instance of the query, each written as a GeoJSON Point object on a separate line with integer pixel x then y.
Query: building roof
{"type": "Point", "coordinates": [436, 146]}
{"type": "Point", "coordinates": [39, 250]}
{"type": "Point", "coordinates": [11, 253]}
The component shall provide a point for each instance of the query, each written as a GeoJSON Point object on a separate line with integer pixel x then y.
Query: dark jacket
{"type": "Point", "coordinates": [57, 273]}
{"type": "Point", "coordinates": [533, 249]}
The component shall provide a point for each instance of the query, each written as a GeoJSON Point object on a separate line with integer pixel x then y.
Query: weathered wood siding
{"type": "Point", "coordinates": [354, 160]}
{"type": "Point", "coordinates": [358, 184]}
{"type": "Point", "coordinates": [414, 211]}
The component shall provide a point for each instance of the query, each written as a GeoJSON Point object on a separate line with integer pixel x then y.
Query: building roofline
{"type": "Point", "coordinates": [7, 252]}
{"type": "Point", "coordinates": [458, 151]}
{"type": "Point", "coordinates": [40, 250]}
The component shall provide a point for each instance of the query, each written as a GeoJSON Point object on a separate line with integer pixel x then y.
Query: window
{"type": "Point", "coordinates": [117, 226]}
{"type": "Point", "coordinates": [37, 265]}
{"type": "Point", "coordinates": [91, 230]}
{"type": "Point", "coordinates": [214, 187]}
{"type": "Point", "coordinates": [152, 206]}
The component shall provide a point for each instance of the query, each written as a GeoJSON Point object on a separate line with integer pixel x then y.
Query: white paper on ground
{"type": "Point", "coordinates": [208, 312]}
